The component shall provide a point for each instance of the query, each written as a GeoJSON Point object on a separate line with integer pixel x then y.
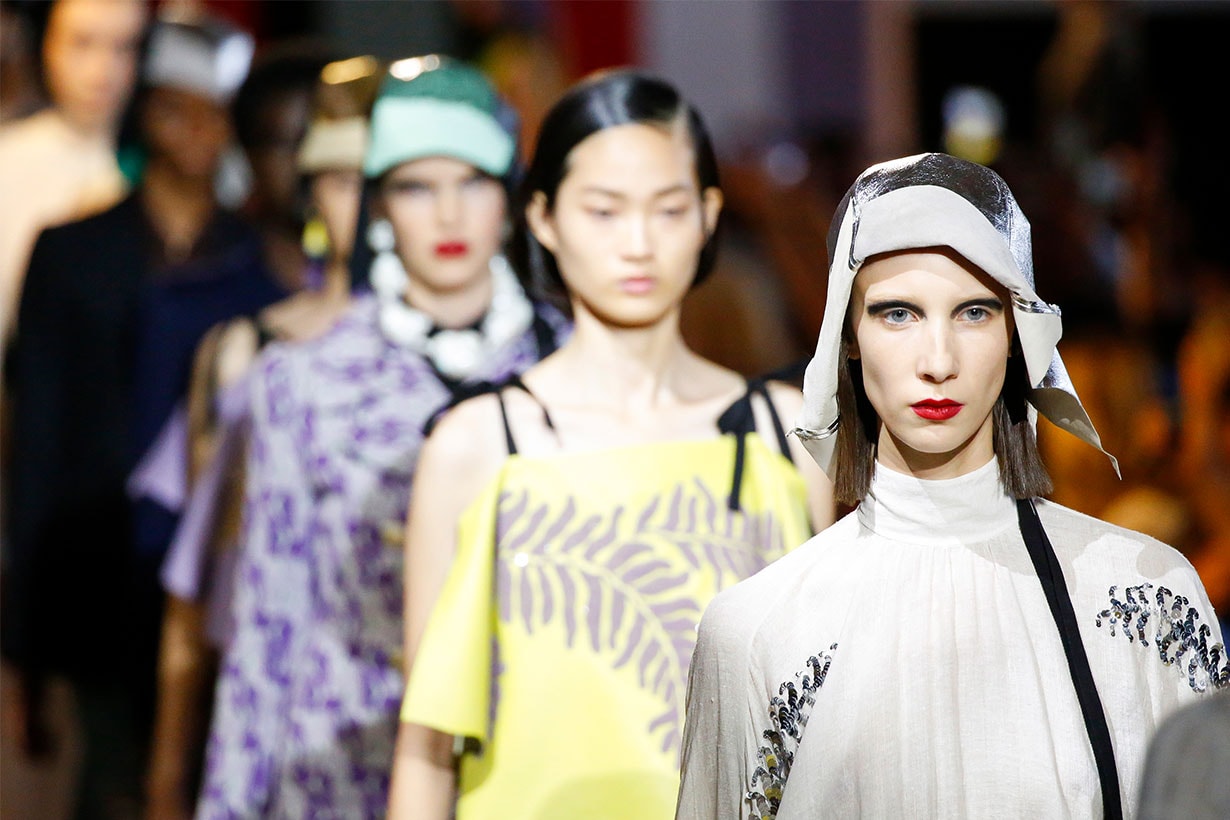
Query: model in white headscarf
{"type": "Point", "coordinates": [957, 646]}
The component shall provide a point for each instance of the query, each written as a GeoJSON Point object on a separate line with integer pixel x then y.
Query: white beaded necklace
{"type": "Point", "coordinates": [457, 354]}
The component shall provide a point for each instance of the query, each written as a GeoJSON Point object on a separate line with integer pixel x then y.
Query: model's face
{"type": "Point", "coordinates": [448, 220]}
{"type": "Point", "coordinates": [90, 58]}
{"type": "Point", "coordinates": [187, 130]}
{"type": "Point", "coordinates": [275, 175]}
{"type": "Point", "coordinates": [628, 224]}
{"type": "Point", "coordinates": [335, 197]}
{"type": "Point", "coordinates": [933, 336]}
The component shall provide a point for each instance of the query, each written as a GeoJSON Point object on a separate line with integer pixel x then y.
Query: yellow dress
{"type": "Point", "coordinates": [568, 683]}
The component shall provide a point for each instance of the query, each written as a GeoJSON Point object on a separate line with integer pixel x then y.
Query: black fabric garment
{"type": "Point", "coordinates": [78, 598]}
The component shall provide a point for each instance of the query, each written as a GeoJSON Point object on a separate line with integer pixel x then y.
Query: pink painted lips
{"type": "Point", "coordinates": [637, 285]}
{"type": "Point", "coordinates": [937, 409]}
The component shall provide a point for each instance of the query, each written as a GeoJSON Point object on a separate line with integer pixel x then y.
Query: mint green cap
{"type": "Point", "coordinates": [435, 106]}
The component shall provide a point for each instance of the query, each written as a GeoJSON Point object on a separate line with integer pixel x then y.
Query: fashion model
{"type": "Point", "coordinates": [569, 529]}
{"type": "Point", "coordinates": [311, 681]}
{"type": "Point", "coordinates": [957, 646]}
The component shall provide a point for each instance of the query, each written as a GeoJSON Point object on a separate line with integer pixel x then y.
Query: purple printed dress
{"type": "Point", "coordinates": [306, 707]}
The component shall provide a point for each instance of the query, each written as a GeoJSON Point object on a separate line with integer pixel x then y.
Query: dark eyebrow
{"type": "Point", "coordinates": [891, 304]}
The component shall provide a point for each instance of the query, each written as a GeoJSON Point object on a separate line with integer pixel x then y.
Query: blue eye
{"type": "Point", "coordinates": [896, 316]}
{"type": "Point", "coordinates": [977, 314]}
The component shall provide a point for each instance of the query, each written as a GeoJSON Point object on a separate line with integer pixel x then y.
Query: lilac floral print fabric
{"type": "Point", "coordinates": [306, 707]}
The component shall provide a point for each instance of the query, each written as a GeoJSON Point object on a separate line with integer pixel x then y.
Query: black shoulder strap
{"type": "Point", "coordinates": [508, 436]}
{"type": "Point", "coordinates": [1046, 564]}
{"type": "Point", "coordinates": [264, 334]}
{"type": "Point", "coordinates": [761, 387]}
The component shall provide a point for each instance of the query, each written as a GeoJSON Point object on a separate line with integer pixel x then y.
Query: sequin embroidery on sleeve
{"type": "Point", "coordinates": [1176, 631]}
{"type": "Point", "coordinates": [788, 714]}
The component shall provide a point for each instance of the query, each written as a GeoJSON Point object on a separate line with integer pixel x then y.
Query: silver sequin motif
{"type": "Point", "coordinates": [1178, 635]}
{"type": "Point", "coordinates": [788, 712]}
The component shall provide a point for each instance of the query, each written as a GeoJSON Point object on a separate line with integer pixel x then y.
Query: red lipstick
{"type": "Point", "coordinates": [451, 250]}
{"type": "Point", "coordinates": [937, 409]}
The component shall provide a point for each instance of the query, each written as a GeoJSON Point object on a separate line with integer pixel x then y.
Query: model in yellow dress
{"type": "Point", "coordinates": [565, 534]}
{"type": "Point", "coordinates": [571, 678]}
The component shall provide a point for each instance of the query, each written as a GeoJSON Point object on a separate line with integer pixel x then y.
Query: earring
{"type": "Point", "coordinates": [380, 236]}
{"type": "Point", "coordinates": [315, 238]}
{"type": "Point", "coordinates": [387, 274]}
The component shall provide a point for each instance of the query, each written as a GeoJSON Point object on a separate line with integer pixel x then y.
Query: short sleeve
{"type": "Point", "coordinates": [449, 688]}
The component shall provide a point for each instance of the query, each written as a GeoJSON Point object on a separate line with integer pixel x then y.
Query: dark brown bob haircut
{"type": "Point", "coordinates": [605, 100]}
{"type": "Point", "coordinates": [1021, 470]}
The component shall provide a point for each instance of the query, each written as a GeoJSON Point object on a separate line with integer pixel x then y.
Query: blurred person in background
{"type": "Point", "coordinates": [271, 113]}
{"type": "Point", "coordinates": [311, 682]}
{"type": "Point", "coordinates": [20, 94]}
{"type": "Point", "coordinates": [60, 164]}
{"type": "Point", "coordinates": [80, 586]}
{"type": "Point", "coordinates": [567, 532]}
{"type": "Point", "coordinates": [198, 572]}
{"type": "Point", "coordinates": [1185, 772]}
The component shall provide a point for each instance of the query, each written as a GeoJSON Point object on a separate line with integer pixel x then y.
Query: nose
{"type": "Point", "coordinates": [448, 206]}
{"type": "Point", "coordinates": [937, 363]}
{"type": "Point", "coordinates": [637, 239]}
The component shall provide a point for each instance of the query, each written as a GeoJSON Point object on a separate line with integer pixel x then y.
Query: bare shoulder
{"type": "Point", "coordinates": [466, 445]}
{"type": "Point", "coordinates": [788, 400]}
{"type": "Point", "coordinates": [236, 344]}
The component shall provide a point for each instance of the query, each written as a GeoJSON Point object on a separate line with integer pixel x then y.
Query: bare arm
{"type": "Point", "coordinates": [186, 665]}
{"type": "Point", "coordinates": [457, 461]}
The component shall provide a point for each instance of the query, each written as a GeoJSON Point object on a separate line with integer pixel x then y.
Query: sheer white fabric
{"type": "Point", "coordinates": [904, 663]}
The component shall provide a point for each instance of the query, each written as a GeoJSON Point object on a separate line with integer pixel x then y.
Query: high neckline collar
{"type": "Point", "coordinates": [973, 506]}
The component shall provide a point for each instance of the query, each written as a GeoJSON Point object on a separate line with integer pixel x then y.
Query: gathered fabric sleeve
{"type": "Point", "coordinates": [450, 684]}
{"type": "Point", "coordinates": [719, 742]}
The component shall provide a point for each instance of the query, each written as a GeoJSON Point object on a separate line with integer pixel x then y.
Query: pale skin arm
{"type": "Point", "coordinates": [789, 403]}
{"type": "Point", "coordinates": [187, 663]}
{"type": "Point", "coordinates": [461, 456]}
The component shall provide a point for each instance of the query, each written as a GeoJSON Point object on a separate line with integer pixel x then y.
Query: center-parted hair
{"type": "Point", "coordinates": [603, 101]}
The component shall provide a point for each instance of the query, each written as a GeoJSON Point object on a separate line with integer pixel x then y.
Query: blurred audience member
{"type": "Point", "coordinates": [272, 112]}
{"type": "Point", "coordinates": [59, 164]}
{"type": "Point", "coordinates": [20, 94]}
{"type": "Point", "coordinates": [198, 569]}
{"type": "Point", "coordinates": [1185, 772]}
{"type": "Point", "coordinates": [81, 592]}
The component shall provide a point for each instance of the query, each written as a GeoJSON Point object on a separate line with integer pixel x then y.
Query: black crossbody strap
{"type": "Point", "coordinates": [1046, 564]}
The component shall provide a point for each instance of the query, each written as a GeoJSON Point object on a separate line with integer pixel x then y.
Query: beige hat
{"type": "Point", "coordinates": [337, 137]}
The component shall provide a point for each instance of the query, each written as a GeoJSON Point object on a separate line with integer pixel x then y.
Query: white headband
{"type": "Point", "coordinates": [933, 200]}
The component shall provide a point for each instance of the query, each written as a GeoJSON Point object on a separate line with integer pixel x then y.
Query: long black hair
{"type": "Point", "coordinates": [605, 100]}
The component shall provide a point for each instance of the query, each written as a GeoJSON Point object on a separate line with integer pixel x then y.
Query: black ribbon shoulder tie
{"type": "Point", "coordinates": [1046, 564]}
{"type": "Point", "coordinates": [740, 419]}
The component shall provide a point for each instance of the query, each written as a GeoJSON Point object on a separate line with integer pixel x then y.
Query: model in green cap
{"type": "Point", "coordinates": [311, 680]}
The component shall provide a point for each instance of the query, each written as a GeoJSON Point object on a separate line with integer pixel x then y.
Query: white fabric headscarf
{"type": "Point", "coordinates": [934, 200]}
